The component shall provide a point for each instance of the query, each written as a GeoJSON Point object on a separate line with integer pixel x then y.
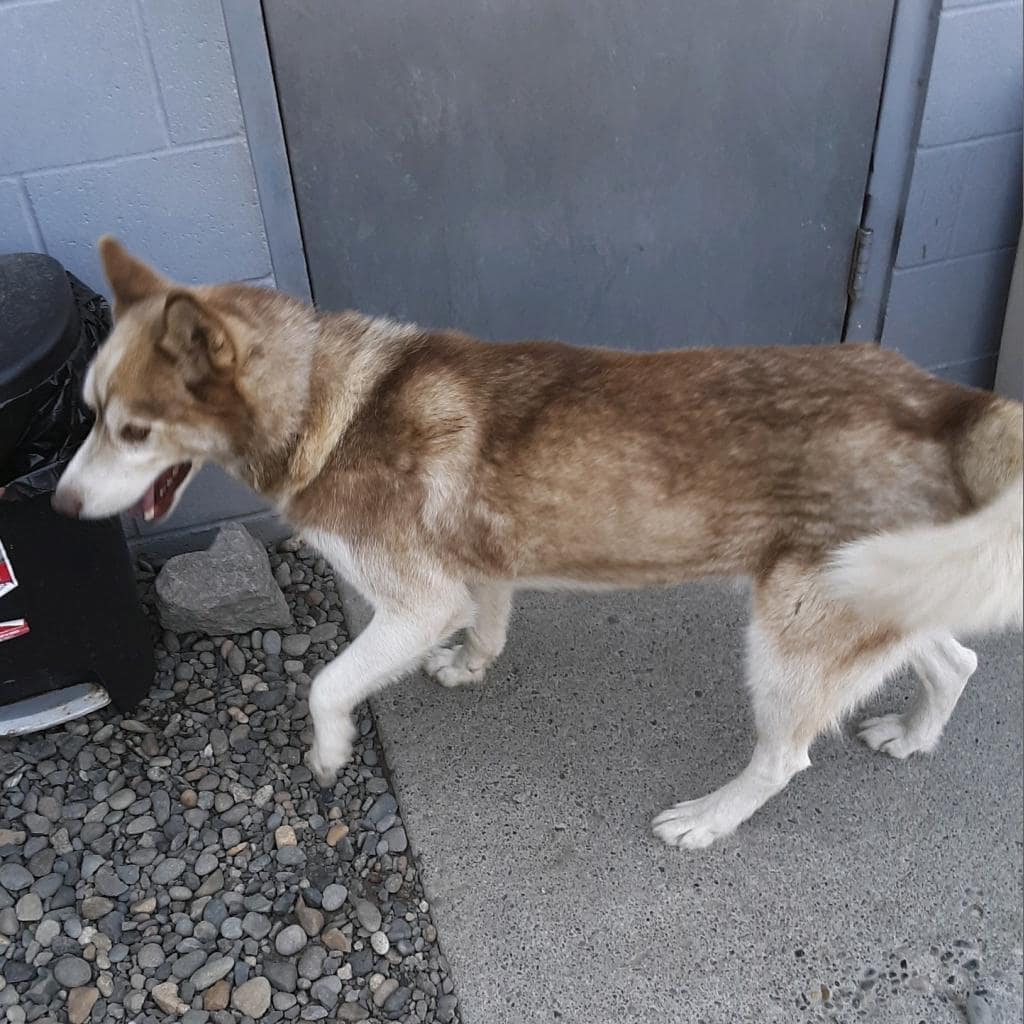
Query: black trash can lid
{"type": "Point", "coordinates": [38, 321]}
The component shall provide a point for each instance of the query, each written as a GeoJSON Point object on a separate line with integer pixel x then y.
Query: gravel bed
{"type": "Point", "coordinates": [182, 865]}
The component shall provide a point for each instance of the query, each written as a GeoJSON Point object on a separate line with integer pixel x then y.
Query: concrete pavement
{"type": "Point", "coordinates": [528, 800]}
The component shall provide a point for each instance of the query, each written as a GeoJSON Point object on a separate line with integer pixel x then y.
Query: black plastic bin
{"type": "Point", "coordinates": [72, 632]}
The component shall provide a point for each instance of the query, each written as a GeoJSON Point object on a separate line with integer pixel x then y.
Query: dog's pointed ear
{"type": "Point", "coordinates": [196, 338]}
{"type": "Point", "coordinates": [130, 279]}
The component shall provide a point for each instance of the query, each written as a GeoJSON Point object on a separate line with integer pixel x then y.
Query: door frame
{"type": "Point", "coordinates": [901, 106]}
{"type": "Point", "coordinates": [261, 112]}
{"type": "Point", "coordinates": [908, 64]}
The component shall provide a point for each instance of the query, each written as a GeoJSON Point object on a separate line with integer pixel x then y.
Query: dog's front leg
{"type": "Point", "coordinates": [392, 644]}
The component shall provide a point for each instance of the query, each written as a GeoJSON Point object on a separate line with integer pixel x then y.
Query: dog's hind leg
{"type": "Point", "coordinates": [392, 644]}
{"type": "Point", "coordinates": [943, 667]}
{"type": "Point", "coordinates": [484, 640]}
{"type": "Point", "coordinates": [810, 661]}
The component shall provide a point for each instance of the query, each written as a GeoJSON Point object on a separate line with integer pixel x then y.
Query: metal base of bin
{"type": "Point", "coordinates": [51, 709]}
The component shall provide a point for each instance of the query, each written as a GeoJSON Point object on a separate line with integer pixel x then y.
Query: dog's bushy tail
{"type": "Point", "coordinates": [964, 576]}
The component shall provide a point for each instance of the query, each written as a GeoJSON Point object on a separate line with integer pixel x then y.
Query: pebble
{"type": "Point", "coordinates": [15, 877]}
{"type": "Point", "coordinates": [206, 863]}
{"type": "Point", "coordinates": [182, 865]}
{"type": "Point", "coordinates": [236, 660]}
{"type": "Point", "coordinates": [326, 991]}
{"type": "Point", "coordinates": [217, 996]}
{"type": "Point", "coordinates": [351, 1013]}
{"type": "Point", "coordinates": [283, 975]}
{"type": "Point", "coordinates": [121, 799]}
{"type": "Point", "coordinates": [381, 808]}
{"type": "Point", "coordinates": [188, 963]}
{"type": "Point", "coordinates": [395, 1003]}
{"type": "Point", "coordinates": [334, 897]}
{"type": "Point", "coordinates": [311, 963]}
{"type": "Point", "coordinates": [290, 940]}
{"type": "Point", "coordinates": [145, 823]}
{"type": "Point", "coordinates": [166, 997]}
{"type": "Point", "coordinates": [335, 939]}
{"type": "Point", "coordinates": [384, 991]}
{"type": "Point", "coordinates": [72, 971]}
{"type": "Point", "coordinates": [29, 907]}
{"type": "Point", "coordinates": [295, 645]}
{"type": "Point", "coordinates": [368, 915]}
{"type": "Point", "coordinates": [256, 925]}
{"type": "Point", "coordinates": [336, 833]}
{"type": "Point", "coordinates": [324, 632]}
{"type": "Point", "coordinates": [396, 839]}
{"type": "Point", "coordinates": [311, 920]}
{"type": "Point", "coordinates": [252, 998]}
{"type": "Point", "coordinates": [150, 956]}
{"type": "Point", "coordinates": [284, 835]}
{"type": "Point", "coordinates": [213, 970]}
{"type": "Point", "coordinates": [95, 907]}
{"type": "Point", "coordinates": [108, 884]}
{"type": "Point", "coordinates": [291, 856]}
{"type": "Point", "coordinates": [80, 1004]}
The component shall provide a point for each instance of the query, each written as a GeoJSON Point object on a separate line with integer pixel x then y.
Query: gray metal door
{"type": "Point", "coordinates": [644, 175]}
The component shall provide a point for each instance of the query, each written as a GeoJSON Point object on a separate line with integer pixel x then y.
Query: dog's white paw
{"type": "Point", "coordinates": [694, 824]}
{"type": "Point", "coordinates": [325, 766]}
{"type": "Point", "coordinates": [450, 666]}
{"type": "Point", "coordinates": [893, 735]}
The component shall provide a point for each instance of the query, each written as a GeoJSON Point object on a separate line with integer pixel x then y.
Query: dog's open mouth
{"type": "Point", "coordinates": [159, 496]}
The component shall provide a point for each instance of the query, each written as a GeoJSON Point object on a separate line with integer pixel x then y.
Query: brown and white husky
{"type": "Point", "coordinates": [876, 510]}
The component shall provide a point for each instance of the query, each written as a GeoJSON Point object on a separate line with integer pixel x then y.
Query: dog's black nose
{"type": "Point", "coordinates": [67, 502]}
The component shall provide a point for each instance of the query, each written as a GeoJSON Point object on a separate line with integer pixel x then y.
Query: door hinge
{"type": "Point", "coordinates": [859, 262]}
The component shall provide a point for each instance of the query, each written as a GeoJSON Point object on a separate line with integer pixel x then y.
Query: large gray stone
{"type": "Point", "coordinates": [228, 588]}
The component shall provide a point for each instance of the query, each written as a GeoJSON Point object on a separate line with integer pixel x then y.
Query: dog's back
{"type": "Point", "coordinates": [601, 467]}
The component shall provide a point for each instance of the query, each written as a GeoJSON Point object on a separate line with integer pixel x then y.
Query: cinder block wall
{"type": "Point", "coordinates": [123, 116]}
{"type": "Point", "coordinates": [963, 215]}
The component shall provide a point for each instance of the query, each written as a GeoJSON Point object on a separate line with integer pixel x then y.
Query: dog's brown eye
{"type": "Point", "coordinates": [133, 433]}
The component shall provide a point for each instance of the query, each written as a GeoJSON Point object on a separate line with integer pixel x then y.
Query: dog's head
{"type": "Point", "coordinates": [165, 390]}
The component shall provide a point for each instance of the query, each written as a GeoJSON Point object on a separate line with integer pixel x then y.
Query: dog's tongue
{"type": "Point", "coordinates": [159, 496]}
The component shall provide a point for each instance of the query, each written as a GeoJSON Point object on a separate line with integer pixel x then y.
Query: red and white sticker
{"type": "Point", "coordinates": [8, 581]}
{"type": "Point", "coordinates": [13, 628]}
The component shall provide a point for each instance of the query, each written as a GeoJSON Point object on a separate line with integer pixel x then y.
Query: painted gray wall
{"type": "Point", "coordinates": [123, 116]}
{"type": "Point", "coordinates": [671, 173]}
{"type": "Point", "coordinates": [963, 215]}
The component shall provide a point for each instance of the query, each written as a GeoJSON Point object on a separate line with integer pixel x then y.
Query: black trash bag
{"type": "Point", "coordinates": [32, 463]}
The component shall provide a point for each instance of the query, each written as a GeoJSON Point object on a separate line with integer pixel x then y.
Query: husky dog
{"type": "Point", "coordinates": [876, 510]}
